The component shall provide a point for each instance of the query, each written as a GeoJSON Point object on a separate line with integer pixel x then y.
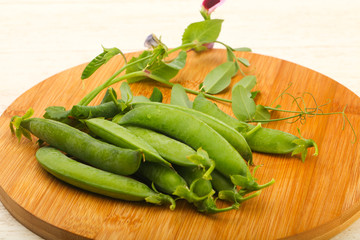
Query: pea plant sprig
{"type": "Point", "coordinates": [154, 63]}
{"type": "Point", "coordinates": [245, 109]}
{"type": "Point", "coordinates": [161, 64]}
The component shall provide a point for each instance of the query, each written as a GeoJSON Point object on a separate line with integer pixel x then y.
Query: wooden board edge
{"type": "Point", "coordinates": [33, 223]}
{"type": "Point", "coordinates": [330, 229]}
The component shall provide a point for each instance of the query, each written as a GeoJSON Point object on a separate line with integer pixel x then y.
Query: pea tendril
{"type": "Point", "coordinates": [304, 112]}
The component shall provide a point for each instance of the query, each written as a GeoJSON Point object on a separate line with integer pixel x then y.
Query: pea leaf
{"type": "Point", "coordinates": [56, 113]}
{"type": "Point", "coordinates": [254, 94]}
{"type": "Point", "coordinates": [179, 62]}
{"type": "Point", "coordinates": [99, 60]}
{"type": "Point", "coordinates": [232, 58]}
{"type": "Point", "coordinates": [262, 113]}
{"type": "Point", "coordinates": [201, 87]}
{"type": "Point", "coordinates": [107, 97]}
{"type": "Point", "coordinates": [140, 66]}
{"type": "Point", "coordinates": [179, 96]}
{"type": "Point", "coordinates": [202, 32]}
{"type": "Point", "coordinates": [248, 82]}
{"type": "Point", "coordinates": [126, 94]}
{"type": "Point", "coordinates": [242, 49]}
{"type": "Point", "coordinates": [169, 70]}
{"type": "Point", "coordinates": [243, 106]}
{"type": "Point", "coordinates": [156, 95]}
{"type": "Point", "coordinates": [230, 54]}
{"type": "Point", "coordinates": [140, 98]}
{"type": "Point", "coordinates": [244, 61]}
{"type": "Point", "coordinates": [219, 78]}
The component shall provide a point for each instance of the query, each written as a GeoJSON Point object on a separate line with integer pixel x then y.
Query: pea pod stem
{"type": "Point", "coordinates": [166, 179]}
{"type": "Point", "coordinates": [202, 187]}
{"type": "Point", "coordinates": [252, 131]}
{"type": "Point", "coordinates": [234, 196]}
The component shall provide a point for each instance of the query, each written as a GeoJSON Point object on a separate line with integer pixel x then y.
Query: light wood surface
{"type": "Point", "coordinates": [315, 199]}
{"type": "Point", "coordinates": [41, 38]}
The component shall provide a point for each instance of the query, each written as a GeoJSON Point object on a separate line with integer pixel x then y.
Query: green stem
{"type": "Point", "coordinates": [112, 80]}
{"type": "Point", "coordinates": [265, 185]}
{"type": "Point", "coordinates": [166, 82]}
{"type": "Point", "coordinates": [186, 45]}
{"type": "Point", "coordinates": [300, 112]}
{"type": "Point", "coordinates": [89, 97]}
{"type": "Point", "coordinates": [277, 119]}
{"type": "Point", "coordinates": [207, 174]}
{"type": "Point", "coordinates": [252, 131]}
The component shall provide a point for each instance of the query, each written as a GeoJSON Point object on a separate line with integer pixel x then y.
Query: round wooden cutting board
{"type": "Point", "coordinates": [314, 199]}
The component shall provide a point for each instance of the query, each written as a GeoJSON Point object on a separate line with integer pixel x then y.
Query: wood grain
{"type": "Point", "coordinates": [315, 199]}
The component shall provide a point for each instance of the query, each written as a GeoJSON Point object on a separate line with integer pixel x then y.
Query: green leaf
{"type": "Point", "coordinates": [202, 32]}
{"type": "Point", "coordinates": [18, 133]}
{"type": "Point", "coordinates": [179, 97]}
{"type": "Point", "coordinates": [219, 78]}
{"type": "Point", "coordinates": [262, 113]}
{"type": "Point", "coordinates": [244, 61]}
{"type": "Point", "coordinates": [179, 62]}
{"type": "Point", "coordinates": [156, 95]}
{"type": "Point", "coordinates": [28, 113]}
{"type": "Point", "coordinates": [243, 106]}
{"type": "Point", "coordinates": [107, 97]}
{"type": "Point", "coordinates": [99, 60]}
{"type": "Point", "coordinates": [201, 87]}
{"type": "Point", "coordinates": [242, 49]}
{"type": "Point", "coordinates": [17, 121]}
{"type": "Point", "coordinates": [140, 66]}
{"type": "Point", "coordinates": [26, 133]}
{"type": "Point", "coordinates": [254, 94]}
{"type": "Point", "coordinates": [231, 57]}
{"type": "Point", "coordinates": [140, 98]}
{"type": "Point", "coordinates": [169, 70]}
{"type": "Point", "coordinates": [230, 54]}
{"type": "Point", "coordinates": [248, 82]}
{"type": "Point", "coordinates": [126, 94]}
{"type": "Point", "coordinates": [56, 113]}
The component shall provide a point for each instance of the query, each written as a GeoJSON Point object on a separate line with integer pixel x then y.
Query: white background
{"type": "Point", "coordinates": [41, 38]}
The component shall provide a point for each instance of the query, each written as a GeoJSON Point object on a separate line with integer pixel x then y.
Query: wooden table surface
{"type": "Point", "coordinates": [41, 38]}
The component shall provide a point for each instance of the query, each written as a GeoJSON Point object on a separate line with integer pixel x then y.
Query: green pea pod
{"type": "Point", "coordinates": [170, 149]}
{"type": "Point", "coordinates": [96, 180]}
{"type": "Point", "coordinates": [230, 134]}
{"type": "Point", "coordinates": [167, 180]}
{"type": "Point", "coordinates": [265, 140]}
{"type": "Point", "coordinates": [122, 137]}
{"type": "Point", "coordinates": [109, 110]}
{"type": "Point", "coordinates": [195, 133]}
{"type": "Point", "coordinates": [84, 147]}
{"type": "Point", "coordinates": [106, 110]}
{"type": "Point", "coordinates": [191, 131]}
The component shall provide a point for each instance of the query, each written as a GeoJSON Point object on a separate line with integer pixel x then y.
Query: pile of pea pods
{"type": "Point", "coordinates": [156, 152]}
